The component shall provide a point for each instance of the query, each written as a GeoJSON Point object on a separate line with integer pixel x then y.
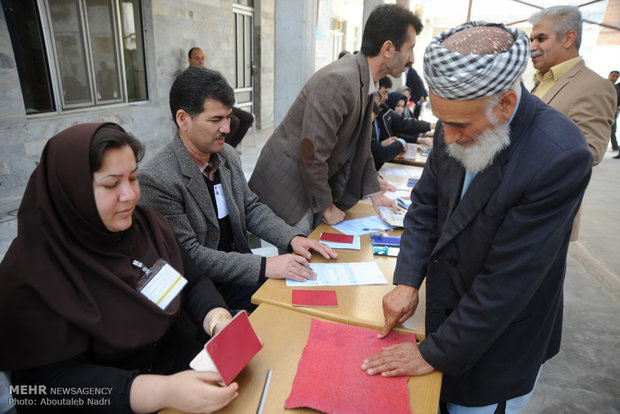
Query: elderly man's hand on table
{"type": "Point", "coordinates": [303, 245]}
{"type": "Point", "coordinates": [402, 359]}
{"type": "Point", "coordinates": [399, 304]}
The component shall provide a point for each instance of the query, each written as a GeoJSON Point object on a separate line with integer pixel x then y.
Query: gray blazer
{"type": "Point", "coordinates": [172, 184]}
{"type": "Point", "coordinates": [320, 153]}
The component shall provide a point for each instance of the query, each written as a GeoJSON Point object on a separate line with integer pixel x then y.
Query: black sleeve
{"type": "Point", "coordinates": [201, 296]}
{"type": "Point", "coordinates": [77, 384]}
{"type": "Point", "coordinates": [409, 126]}
{"type": "Point", "coordinates": [415, 83]}
{"type": "Point", "coordinates": [241, 121]}
{"type": "Point", "coordinates": [383, 154]}
{"type": "Point", "coordinates": [412, 139]}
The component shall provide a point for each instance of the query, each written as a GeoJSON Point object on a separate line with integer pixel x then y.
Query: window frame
{"type": "Point", "coordinates": [61, 108]}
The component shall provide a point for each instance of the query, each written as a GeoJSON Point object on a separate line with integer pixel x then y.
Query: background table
{"type": "Point", "coordinates": [357, 305]}
{"type": "Point", "coordinates": [414, 156]}
{"type": "Point", "coordinates": [398, 174]}
{"type": "Point", "coordinates": [284, 334]}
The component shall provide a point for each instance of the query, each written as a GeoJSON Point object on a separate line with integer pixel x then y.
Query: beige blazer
{"type": "Point", "coordinates": [589, 101]}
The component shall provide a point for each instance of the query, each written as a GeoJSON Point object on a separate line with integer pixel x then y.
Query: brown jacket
{"type": "Point", "coordinates": [320, 153]}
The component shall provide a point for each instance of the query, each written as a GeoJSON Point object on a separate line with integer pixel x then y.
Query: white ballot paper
{"type": "Point", "coordinates": [343, 274]}
{"type": "Point", "coordinates": [362, 225]}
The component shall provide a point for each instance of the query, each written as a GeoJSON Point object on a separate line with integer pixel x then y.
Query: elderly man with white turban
{"type": "Point", "coordinates": [488, 227]}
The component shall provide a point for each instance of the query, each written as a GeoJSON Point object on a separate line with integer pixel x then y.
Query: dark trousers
{"type": "Point", "coordinates": [614, 142]}
{"type": "Point", "coordinates": [237, 296]}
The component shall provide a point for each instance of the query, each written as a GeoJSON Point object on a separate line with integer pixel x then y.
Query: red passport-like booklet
{"type": "Point", "coordinates": [229, 351]}
{"type": "Point", "coordinates": [336, 238]}
{"type": "Point", "coordinates": [304, 297]}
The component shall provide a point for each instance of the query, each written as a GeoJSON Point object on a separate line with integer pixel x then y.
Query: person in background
{"type": "Point", "coordinates": [419, 94]}
{"type": "Point", "coordinates": [195, 57]}
{"type": "Point", "coordinates": [392, 124]}
{"type": "Point", "coordinates": [410, 105]}
{"type": "Point", "coordinates": [240, 120]}
{"type": "Point", "coordinates": [488, 227]}
{"type": "Point", "coordinates": [318, 164]}
{"type": "Point", "coordinates": [83, 322]}
{"type": "Point", "coordinates": [397, 102]}
{"type": "Point", "coordinates": [564, 81]}
{"type": "Point", "coordinates": [384, 149]}
{"type": "Point", "coordinates": [613, 78]}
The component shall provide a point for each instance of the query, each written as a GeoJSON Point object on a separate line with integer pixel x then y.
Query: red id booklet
{"type": "Point", "coordinates": [305, 297]}
{"type": "Point", "coordinates": [229, 351]}
{"type": "Point", "coordinates": [336, 238]}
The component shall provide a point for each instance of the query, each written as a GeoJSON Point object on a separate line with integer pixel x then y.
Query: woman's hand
{"type": "Point", "coordinates": [198, 392]}
{"type": "Point", "coordinates": [220, 322]}
{"type": "Point", "coordinates": [189, 391]}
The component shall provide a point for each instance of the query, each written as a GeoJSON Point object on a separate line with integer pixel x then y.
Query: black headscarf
{"type": "Point", "coordinates": [67, 284]}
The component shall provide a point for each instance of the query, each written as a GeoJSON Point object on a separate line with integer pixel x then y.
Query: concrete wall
{"type": "Point", "coordinates": [171, 27]}
{"type": "Point", "coordinates": [294, 60]}
{"type": "Point", "coordinates": [264, 22]}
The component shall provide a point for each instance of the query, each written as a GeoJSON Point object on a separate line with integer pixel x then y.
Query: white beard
{"type": "Point", "coordinates": [477, 157]}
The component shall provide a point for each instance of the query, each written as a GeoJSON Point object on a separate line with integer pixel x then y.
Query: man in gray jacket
{"type": "Point", "coordinates": [197, 182]}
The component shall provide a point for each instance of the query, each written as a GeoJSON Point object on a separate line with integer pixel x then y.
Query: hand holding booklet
{"type": "Point", "coordinates": [230, 350]}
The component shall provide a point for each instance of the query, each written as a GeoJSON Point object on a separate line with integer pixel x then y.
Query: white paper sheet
{"type": "Point", "coordinates": [405, 194]}
{"type": "Point", "coordinates": [402, 172]}
{"type": "Point", "coordinates": [343, 274]}
{"type": "Point", "coordinates": [362, 225]}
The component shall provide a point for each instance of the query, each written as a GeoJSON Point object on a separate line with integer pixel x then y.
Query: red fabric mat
{"type": "Point", "coordinates": [329, 377]}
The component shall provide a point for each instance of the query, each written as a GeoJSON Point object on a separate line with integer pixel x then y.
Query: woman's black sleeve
{"type": "Point", "coordinates": [201, 296]}
{"type": "Point", "coordinates": [76, 384]}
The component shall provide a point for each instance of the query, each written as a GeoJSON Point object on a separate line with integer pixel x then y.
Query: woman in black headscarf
{"type": "Point", "coordinates": [72, 317]}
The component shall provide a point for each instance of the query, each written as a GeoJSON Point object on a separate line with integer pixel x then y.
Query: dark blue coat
{"type": "Point", "coordinates": [495, 261]}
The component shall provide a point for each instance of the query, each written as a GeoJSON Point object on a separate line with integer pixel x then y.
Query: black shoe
{"type": "Point", "coordinates": [617, 157]}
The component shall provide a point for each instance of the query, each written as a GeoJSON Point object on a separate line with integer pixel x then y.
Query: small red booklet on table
{"type": "Point", "coordinates": [336, 238]}
{"type": "Point", "coordinates": [230, 350]}
{"type": "Point", "coordinates": [304, 297]}
{"type": "Point", "coordinates": [340, 241]}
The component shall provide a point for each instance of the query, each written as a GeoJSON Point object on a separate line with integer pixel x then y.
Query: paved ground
{"type": "Point", "coordinates": [585, 376]}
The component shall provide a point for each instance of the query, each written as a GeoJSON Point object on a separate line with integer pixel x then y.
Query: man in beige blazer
{"type": "Point", "coordinates": [318, 163]}
{"type": "Point", "coordinates": [564, 81]}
